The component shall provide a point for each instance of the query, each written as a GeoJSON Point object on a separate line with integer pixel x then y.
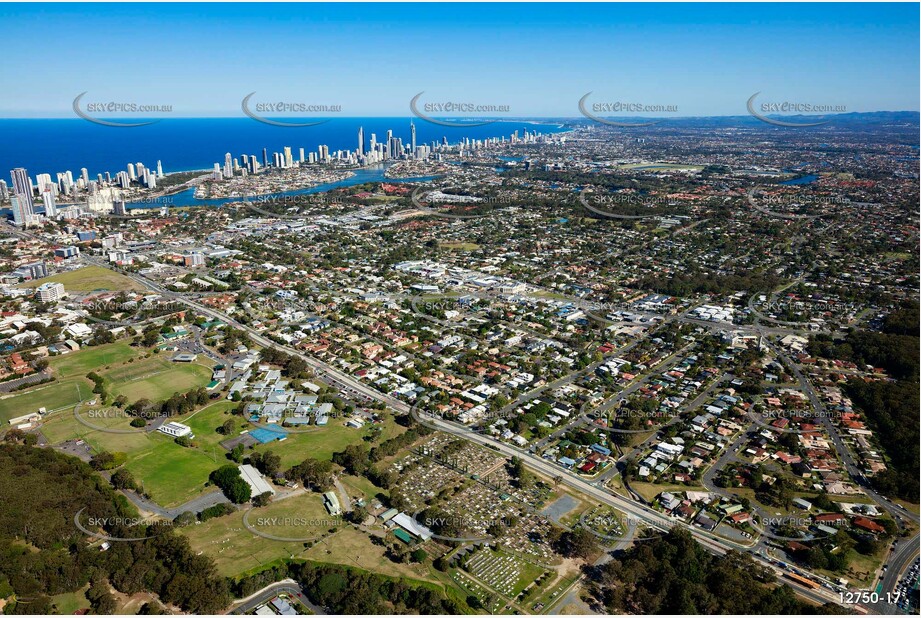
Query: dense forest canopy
{"type": "Point", "coordinates": [43, 553]}
{"type": "Point", "coordinates": [674, 574]}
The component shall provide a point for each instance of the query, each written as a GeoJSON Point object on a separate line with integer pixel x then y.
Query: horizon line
{"type": "Point", "coordinates": [490, 118]}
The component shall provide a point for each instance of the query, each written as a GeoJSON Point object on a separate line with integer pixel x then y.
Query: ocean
{"type": "Point", "coordinates": [183, 144]}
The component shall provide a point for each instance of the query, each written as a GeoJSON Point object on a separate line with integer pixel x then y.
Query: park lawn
{"type": "Point", "coordinates": [361, 485]}
{"type": "Point", "coordinates": [204, 423]}
{"type": "Point", "coordinates": [89, 279]}
{"type": "Point", "coordinates": [234, 549]}
{"type": "Point", "coordinates": [156, 378]}
{"type": "Point", "coordinates": [65, 426]}
{"type": "Point", "coordinates": [170, 473]}
{"type": "Point", "coordinates": [352, 547]}
{"type": "Point", "coordinates": [322, 442]}
{"type": "Point", "coordinates": [650, 490]}
{"type": "Point", "coordinates": [302, 516]}
{"type": "Point", "coordinates": [861, 569]}
{"type": "Point", "coordinates": [52, 395]}
{"type": "Point", "coordinates": [69, 602]}
{"type": "Point", "coordinates": [95, 358]}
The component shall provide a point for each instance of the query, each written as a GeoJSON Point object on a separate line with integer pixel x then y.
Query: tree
{"type": "Point", "coordinates": [236, 453]}
{"type": "Point", "coordinates": [228, 427]}
{"type": "Point", "coordinates": [185, 518]}
{"type": "Point", "coordinates": [579, 542]}
{"type": "Point", "coordinates": [268, 463]}
{"type": "Point", "coordinates": [358, 515]}
{"type": "Point", "coordinates": [150, 338]}
{"type": "Point", "coordinates": [232, 484]}
{"type": "Point", "coordinates": [150, 609]}
{"type": "Point", "coordinates": [419, 555]}
{"type": "Point", "coordinates": [262, 499]}
{"type": "Point", "coordinates": [314, 473]}
{"type": "Point", "coordinates": [101, 600]}
{"type": "Point", "coordinates": [354, 458]}
{"type": "Point", "coordinates": [122, 479]}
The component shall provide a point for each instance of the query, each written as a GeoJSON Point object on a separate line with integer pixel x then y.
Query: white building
{"type": "Point", "coordinates": [78, 330]}
{"type": "Point", "coordinates": [177, 430]}
{"type": "Point", "coordinates": [49, 292]}
{"type": "Point", "coordinates": [256, 483]}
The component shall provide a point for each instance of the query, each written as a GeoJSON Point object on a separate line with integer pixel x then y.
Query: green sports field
{"type": "Point", "coordinates": [92, 359]}
{"type": "Point", "coordinates": [156, 378]}
{"type": "Point", "coordinates": [52, 396]}
{"type": "Point", "coordinates": [170, 473]}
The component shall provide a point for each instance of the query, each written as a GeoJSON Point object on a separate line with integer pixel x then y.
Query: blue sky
{"type": "Point", "coordinates": [538, 59]}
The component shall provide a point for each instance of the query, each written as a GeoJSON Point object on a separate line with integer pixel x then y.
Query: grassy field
{"type": "Point", "coordinates": [650, 490]}
{"type": "Point", "coordinates": [459, 246]}
{"type": "Point", "coordinates": [236, 550]}
{"type": "Point", "coordinates": [53, 395]}
{"type": "Point", "coordinates": [324, 441]}
{"type": "Point", "coordinates": [63, 426]}
{"type": "Point", "coordinates": [301, 516]}
{"type": "Point", "coordinates": [129, 371]}
{"type": "Point", "coordinates": [352, 547]}
{"type": "Point", "coordinates": [125, 370]}
{"type": "Point", "coordinates": [69, 602]}
{"type": "Point", "coordinates": [205, 422]}
{"type": "Point", "coordinates": [361, 485]}
{"type": "Point", "coordinates": [170, 473]}
{"type": "Point", "coordinates": [92, 359]}
{"type": "Point", "coordinates": [89, 279]}
{"type": "Point", "coordinates": [156, 378]}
